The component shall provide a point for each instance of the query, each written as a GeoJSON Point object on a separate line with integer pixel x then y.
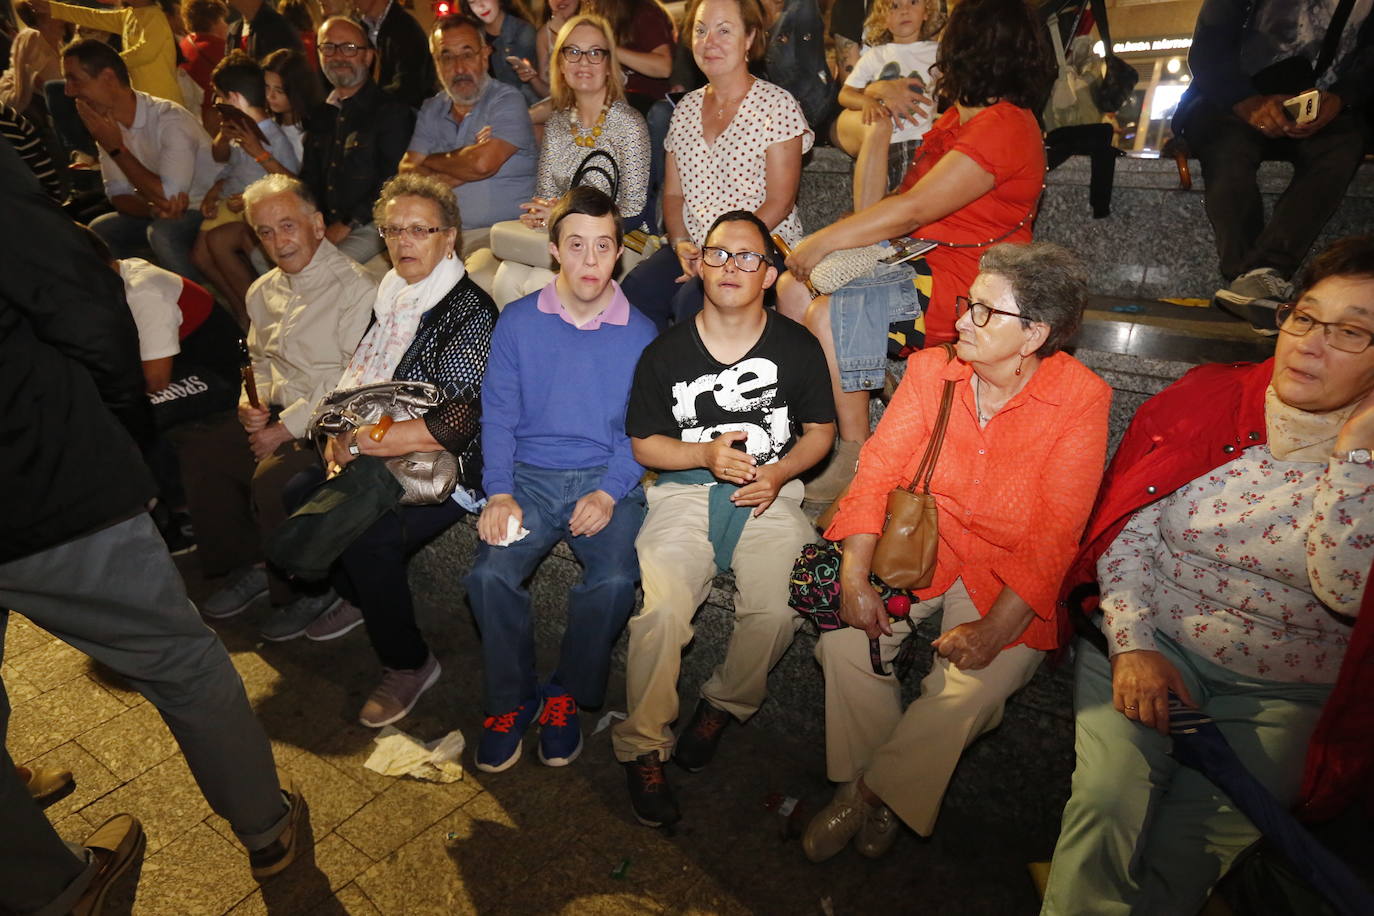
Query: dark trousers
{"type": "Point", "coordinates": [116, 596]}
{"type": "Point", "coordinates": [652, 288]}
{"type": "Point", "coordinates": [1231, 152]}
{"type": "Point", "coordinates": [371, 573]}
{"type": "Point", "coordinates": [234, 501]}
{"type": "Point", "coordinates": [1095, 142]}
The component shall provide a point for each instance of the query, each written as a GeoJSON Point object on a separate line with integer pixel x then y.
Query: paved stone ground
{"type": "Point", "coordinates": [530, 840]}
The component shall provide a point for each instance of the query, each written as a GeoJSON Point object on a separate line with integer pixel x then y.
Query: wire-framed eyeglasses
{"type": "Point", "coordinates": [1348, 338]}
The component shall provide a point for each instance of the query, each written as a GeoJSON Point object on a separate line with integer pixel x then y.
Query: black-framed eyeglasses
{"type": "Point", "coordinates": [345, 49]}
{"type": "Point", "coordinates": [747, 261]}
{"type": "Point", "coordinates": [981, 312]}
{"type": "Point", "coordinates": [572, 54]}
{"type": "Point", "coordinates": [418, 233]}
{"type": "Point", "coordinates": [1347, 338]}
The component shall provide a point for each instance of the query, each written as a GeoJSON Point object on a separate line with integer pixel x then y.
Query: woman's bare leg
{"type": "Point", "coordinates": [870, 165]}
{"type": "Point", "coordinates": [793, 297]}
{"type": "Point", "coordinates": [226, 242]}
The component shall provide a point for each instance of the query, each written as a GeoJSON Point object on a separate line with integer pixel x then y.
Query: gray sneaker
{"type": "Point", "coordinates": [335, 622]}
{"type": "Point", "coordinates": [1262, 284]}
{"type": "Point", "coordinates": [396, 695]}
{"type": "Point", "coordinates": [294, 619]}
{"type": "Point", "coordinates": [244, 586]}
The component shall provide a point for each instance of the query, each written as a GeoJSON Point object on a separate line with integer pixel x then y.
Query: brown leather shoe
{"type": "Point", "coordinates": [45, 782]}
{"type": "Point", "coordinates": [115, 844]}
{"type": "Point", "coordinates": [281, 852]}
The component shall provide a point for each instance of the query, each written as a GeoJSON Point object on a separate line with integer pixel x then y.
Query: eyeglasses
{"type": "Point", "coordinates": [1347, 338]}
{"type": "Point", "coordinates": [747, 261]}
{"type": "Point", "coordinates": [347, 49]}
{"type": "Point", "coordinates": [572, 54]}
{"type": "Point", "coordinates": [418, 233]}
{"type": "Point", "coordinates": [981, 312]}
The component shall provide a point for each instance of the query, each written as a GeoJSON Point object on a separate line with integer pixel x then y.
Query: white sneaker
{"type": "Point", "coordinates": [1261, 284]}
{"type": "Point", "coordinates": [243, 588]}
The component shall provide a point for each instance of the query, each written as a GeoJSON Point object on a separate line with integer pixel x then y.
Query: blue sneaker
{"type": "Point", "coordinates": [503, 737]}
{"type": "Point", "coordinates": [560, 735]}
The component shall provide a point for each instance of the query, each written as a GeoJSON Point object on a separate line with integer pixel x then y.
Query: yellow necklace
{"type": "Point", "coordinates": [588, 140]}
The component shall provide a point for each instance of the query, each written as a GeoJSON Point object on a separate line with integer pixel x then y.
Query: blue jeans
{"type": "Point", "coordinates": [170, 239]}
{"type": "Point", "coordinates": [597, 607]}
{"type": "Point", "coordinates": [860, 312]}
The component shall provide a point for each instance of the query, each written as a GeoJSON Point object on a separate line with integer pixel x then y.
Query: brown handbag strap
{"type": "Point", "coordinates": [926, 468]}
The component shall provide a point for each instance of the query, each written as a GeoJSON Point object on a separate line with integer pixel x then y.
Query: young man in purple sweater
{"type": "Point", "coordinates": [557, 462]}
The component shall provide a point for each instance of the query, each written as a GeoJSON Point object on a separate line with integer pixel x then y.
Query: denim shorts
{"type": "Point", "coordinates": [861, 312]}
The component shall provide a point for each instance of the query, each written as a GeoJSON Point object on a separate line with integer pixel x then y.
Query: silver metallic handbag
{"type": "Point", "coordinates": [427, 478]}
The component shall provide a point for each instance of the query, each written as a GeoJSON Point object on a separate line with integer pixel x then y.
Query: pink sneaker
{"type": "Point", "coordinates": [397, 694]}
{"type": "Point", "coordinates": [334, 623]}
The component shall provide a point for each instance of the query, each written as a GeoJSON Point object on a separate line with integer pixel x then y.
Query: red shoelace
{"type": "Point", "coordinates": [557, 710]}
{"type": "Point", "coordinates": [504, 722]}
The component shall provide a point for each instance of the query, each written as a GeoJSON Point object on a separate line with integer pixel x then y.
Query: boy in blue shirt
{"type": "Point", "coordinates": [557, 463]}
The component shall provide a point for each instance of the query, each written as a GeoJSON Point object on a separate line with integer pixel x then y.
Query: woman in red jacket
{"type": "Point", "coordinates": [1232, 543]}
{"type": "Point", "coordinates": [1014, 483]}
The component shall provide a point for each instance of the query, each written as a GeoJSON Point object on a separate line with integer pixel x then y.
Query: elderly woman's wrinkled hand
{"type": "Point", "coordinates": [536, 215]}
{"type": "Point", "coordinates": [1141, 681]}
{"type": "Point", "coordinates": [340, 450]}
{"type": "Point", "coordinates": [1358, 429]}
{"type": "Point", "coordinates": [971, 646]}
{"type": "Point", "coordinates": [862, 608]}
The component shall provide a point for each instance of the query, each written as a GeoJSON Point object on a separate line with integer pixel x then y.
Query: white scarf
{"type": "Point", "coordinates": [1298, 435]}
{"type": "Point", "coordinates": [399, 308]}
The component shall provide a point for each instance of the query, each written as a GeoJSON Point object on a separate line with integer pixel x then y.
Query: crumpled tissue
{"type": "Point", "coordinates": [514, 532]}
{"type": "Point", "coordinates": [398, 754]}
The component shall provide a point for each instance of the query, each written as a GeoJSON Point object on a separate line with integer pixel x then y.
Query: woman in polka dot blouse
{"type": "Point", "coordinates": [734, 144]}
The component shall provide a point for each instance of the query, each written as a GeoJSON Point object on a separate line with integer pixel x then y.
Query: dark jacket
{"type": "Point", "coordinates": [1201, 422]}
{"type": "Point", "coordinates": [270, 32]}
{"type": "Point", "coordinates": [405, 67]}
{"type": "Point", "coordinates": [69, 374]}
{"type": "Point", "coordinates": [450, 350]}
{"type": "Point", "coordinates": [1244, 47]}
{"type": "Point", "coordinates": [350, 150]}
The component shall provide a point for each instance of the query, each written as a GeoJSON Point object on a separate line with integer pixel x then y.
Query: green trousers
{"type": "Point", "coordinates": [1143, 834]}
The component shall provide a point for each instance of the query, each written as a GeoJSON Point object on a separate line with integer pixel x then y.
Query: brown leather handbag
{"type": "Point", "coordinates": [905, 555]}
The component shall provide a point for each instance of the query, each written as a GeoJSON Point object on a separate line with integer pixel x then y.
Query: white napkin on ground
{"type": "Point", "coordinates": [398, 754]}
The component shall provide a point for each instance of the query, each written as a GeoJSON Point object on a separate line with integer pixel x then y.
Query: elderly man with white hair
{"type": "Point", "coordinates": [306, 317]}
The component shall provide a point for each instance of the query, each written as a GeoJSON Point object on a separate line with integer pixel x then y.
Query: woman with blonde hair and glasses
{"type": "Point", "coordinates": [590, 115]}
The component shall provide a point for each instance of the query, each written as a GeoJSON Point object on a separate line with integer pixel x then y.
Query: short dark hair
{"type": "Point", "coordinates": [585, 201]}
{"type": "Point", "coordinates": [770, 255]}
{"type": "Point", "coordinates": [991, 50]}
{"type": "Point", "coordinates": [201, 15]}
{"type": "Point", "coordinates": [1049, 283]}
{"type": "Point", "coordinates": [457, 21]}
{"type": "Point", "coordinates": [1352, 256]}
{"type": "Point", "coordinates": [238, 72]}
{"type": "Point", "coordinates": [94, 56]}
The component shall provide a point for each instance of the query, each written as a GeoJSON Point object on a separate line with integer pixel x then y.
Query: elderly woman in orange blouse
{"type": "Point", "coordinates": [1013, 486]}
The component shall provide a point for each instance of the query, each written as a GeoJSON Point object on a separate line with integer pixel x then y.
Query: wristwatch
{"type": "Point", "coordinates": [1359, 456]}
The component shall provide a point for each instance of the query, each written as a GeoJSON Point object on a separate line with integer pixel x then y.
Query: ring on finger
{"type": "Point", "coordinates": [1132, 708]}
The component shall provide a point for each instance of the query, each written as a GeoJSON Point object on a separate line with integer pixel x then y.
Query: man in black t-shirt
{"type": "Point", "coordinates": [729, 407]}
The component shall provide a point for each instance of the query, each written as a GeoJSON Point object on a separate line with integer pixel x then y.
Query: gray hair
{"type": "Point", "coordinates": [274, 184]}
{"type": "Point", "coordinates": [412, 184]}
{"type": "Point", "coordinates": [1049, 283]}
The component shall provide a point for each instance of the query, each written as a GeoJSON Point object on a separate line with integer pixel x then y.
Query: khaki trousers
{"type": "Point", "coordinates": [677, 564]}
{"type": "Point", "coordinates": [907, 758]}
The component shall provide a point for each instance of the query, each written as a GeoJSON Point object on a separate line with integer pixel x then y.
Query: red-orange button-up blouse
{"type": "Point", "coordinates": [1012, 497]}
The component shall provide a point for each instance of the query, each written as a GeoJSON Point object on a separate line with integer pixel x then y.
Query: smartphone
{"type": "Point", "coordinates": [515, 62]}
{"type": "Point", "coordinates": [1303, 108]}
{"type": "Point", "coordinates": [230, 113]}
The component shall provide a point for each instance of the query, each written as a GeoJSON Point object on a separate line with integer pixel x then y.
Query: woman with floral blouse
{"type": "Point", "coordinates": [1232, 545]}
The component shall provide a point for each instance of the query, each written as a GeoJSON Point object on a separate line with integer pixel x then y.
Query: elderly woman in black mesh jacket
{"type": "Point", "coordinates": [432, 324]}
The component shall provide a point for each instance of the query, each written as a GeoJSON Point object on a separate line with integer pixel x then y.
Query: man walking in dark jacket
{"type": "Point", "coordinates": [80, 557]}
